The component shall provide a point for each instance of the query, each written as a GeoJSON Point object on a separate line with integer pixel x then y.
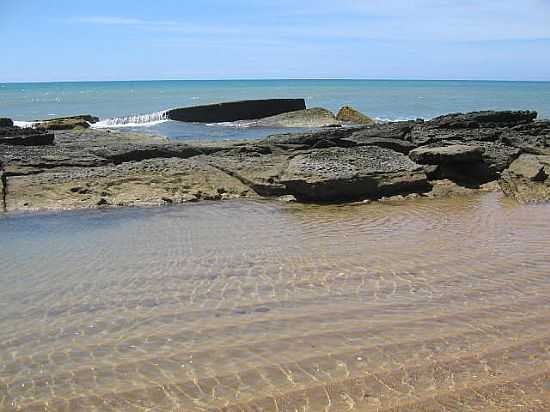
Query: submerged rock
{"type": "Point", "coordinates": [348, 114]}
{"type": "Point", "coordinates": [339, 174]}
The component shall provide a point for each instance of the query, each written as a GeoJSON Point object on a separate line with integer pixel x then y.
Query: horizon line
{"type": "Point", "coordinates": [277, 79]}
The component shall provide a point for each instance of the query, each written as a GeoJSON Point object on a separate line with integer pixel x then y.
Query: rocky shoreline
{"type": "Point", "coordinates": [453, 154]}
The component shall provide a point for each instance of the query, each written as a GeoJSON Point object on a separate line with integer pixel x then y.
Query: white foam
{"type": "Point", "coordinates": [139, 120]}
{"type": "Point", "coordinates": [387, 120]}
{"type": "Point", "coordinates": [239, 124]}
{"type": "Point", "coordinates": [19, 123]}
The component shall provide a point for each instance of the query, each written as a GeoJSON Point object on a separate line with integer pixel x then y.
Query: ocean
{"type": "Point", "coordinates": [119, 103]}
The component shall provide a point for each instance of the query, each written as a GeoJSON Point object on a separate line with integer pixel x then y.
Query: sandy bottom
{"type": "Point", "coordinates": [429, 305]}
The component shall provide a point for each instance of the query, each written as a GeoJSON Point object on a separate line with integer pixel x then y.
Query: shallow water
{"type": "Point", "coordinates": [423, 305]}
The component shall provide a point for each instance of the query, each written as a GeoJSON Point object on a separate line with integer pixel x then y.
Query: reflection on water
{"type": "Point", "coordinates": [425, 305]}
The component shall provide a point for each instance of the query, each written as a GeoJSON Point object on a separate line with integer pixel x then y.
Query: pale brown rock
{"type": "Point", "coordinates": [348, 114]}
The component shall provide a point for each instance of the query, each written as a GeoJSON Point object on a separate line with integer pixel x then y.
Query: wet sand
{"type": "Point", "coordinates": [428, 305]}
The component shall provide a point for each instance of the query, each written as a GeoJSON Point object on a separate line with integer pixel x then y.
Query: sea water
{"type": "Point", "coordinates": [139, 105]}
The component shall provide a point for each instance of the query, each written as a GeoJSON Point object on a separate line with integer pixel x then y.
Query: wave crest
{"type": "Point", "coordinates": [138, 120]}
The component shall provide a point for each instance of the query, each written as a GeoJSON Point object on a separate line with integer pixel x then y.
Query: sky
{"type": "Point", "coordinates": [59, 40]}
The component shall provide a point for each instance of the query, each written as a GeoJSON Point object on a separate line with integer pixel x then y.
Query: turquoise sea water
{"type": "Point", "coordinates": [382, 99]}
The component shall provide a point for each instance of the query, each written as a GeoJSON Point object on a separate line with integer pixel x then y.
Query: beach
{"type": "Point", "coordinates": [307, 260]}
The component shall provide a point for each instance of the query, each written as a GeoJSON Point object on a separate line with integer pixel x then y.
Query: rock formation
{"type": "Point", "coordinates": [459, 153]}
{"type": "Point", "coordinates": [5, 122]}
{"type": "Point", "coordinates": [308, 119]}
{"type": "Point", "coordinates": [348, 114]}
{"type": "Point", "coordinates": [527, 179]}
{"type": "Point", "coordinates": [233, 111]}
{"type": "Point", "coordinates": [17, 136]}
{"type": "Point", "coordinates": [67, 123]}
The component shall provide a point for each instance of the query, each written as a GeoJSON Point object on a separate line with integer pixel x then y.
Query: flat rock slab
{"type": "Point", "coordinates": [447, 154]}
{"type": "Point", "coordinates": [338, 174]}
{"type": "Point", "coordinates": [147, 183]}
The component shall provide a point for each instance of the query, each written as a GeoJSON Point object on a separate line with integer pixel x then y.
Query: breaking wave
{"type": "Point", "coordinates": [19, 123]}
{"type": "Point", "coordinates": [138, 120]}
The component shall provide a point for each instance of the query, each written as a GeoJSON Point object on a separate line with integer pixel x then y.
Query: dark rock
{"type": "Point", "coordinates": [36, 139]}
{"type": "Point", "coordinates": [361, 138]}
{"type": "Point", "coordinates": [497, 156]}
{"type": "Point", "coordinates": [318, 139]}
{"type": "Point", "coordinates": [483, 119]}
{"type": "Point", "coordinates": [348, 114]}
{"type": "Point", "coordinates": [132, 153]}
{"type": "Point", "coordinates": [233, 111]}
{"type": "Point", "coordinates": [5, 122]}
{"type": "Point", "coordinates": [339, 174]}
{"type": "Point", "coordinates": [390, 130]}
{"type": "Point", "coordinates": [531, 138]}
{"type": "Point", "coordinates": [447, 154]}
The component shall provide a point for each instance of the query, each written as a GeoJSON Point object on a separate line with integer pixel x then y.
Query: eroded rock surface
{"type": "Point", "coordinates": [460, 153]}
{"type": "Point", "coordinates": [527, 179]}
{"type": "Point", "coordinates": [348, 114]}
{"type": "Point", "coordinates": [338, 174]}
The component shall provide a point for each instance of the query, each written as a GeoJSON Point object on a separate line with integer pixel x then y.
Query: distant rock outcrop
{"type": "Point", "coordinates": [67, 123]}
{"type": "Point", "coordinates": [348, 114]}
{"type": "Point", "coordinates": [233, 111]}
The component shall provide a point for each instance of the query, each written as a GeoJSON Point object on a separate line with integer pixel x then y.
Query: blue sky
{"type": "Point", "coordinates": [51, 40]}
